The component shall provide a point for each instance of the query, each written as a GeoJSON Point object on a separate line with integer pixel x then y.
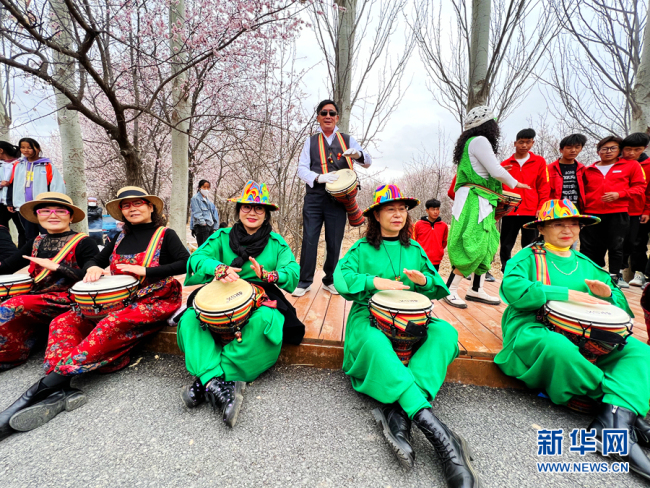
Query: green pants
{"type": "Point", "coordinates": [238, 361]}
{"type": "Point", "coordinates": [375, 369]}
{"type": "Point", "coordinates": [546, 360]}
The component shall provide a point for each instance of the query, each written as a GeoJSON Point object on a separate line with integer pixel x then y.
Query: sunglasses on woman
{"type": "Point", "coordinates": [134, 204]}
{"type": "Point", "coordinates": [46, 212]}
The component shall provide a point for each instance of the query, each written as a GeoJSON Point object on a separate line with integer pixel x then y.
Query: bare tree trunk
{"type": "Point", "coordinates": [5, 117]}
{"type": "Point", "coordinates": [641, 112]}
{"type": "Point", "coordinates": [72, 148]}
{"type": "Point", "coordinates": [180, 114]}
{"type": "Point", "coordinates": [479, 89]}
{"type": "Point", "coordinates": [344, 50]}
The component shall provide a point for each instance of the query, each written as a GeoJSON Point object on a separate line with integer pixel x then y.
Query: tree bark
{"type": "Point", "coordinates": [641, 94]}
{"type": "Point", "coordinates": [5, 117]}
{"type": "Point", "coordinates": [343, 60]}
{"type": "Point", "coordinates": [180, 117]}
{"type": "Point", "coordinates": [72, 148]}
{"type": "Point", "coordinates": [479, 89]}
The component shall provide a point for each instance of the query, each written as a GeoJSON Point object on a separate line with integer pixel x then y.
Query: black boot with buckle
{"type": "Point", "coordinates": [214, 393]}
{"type": "Point", "coordinates": [614, 417]}
{"type": "Point", "coordinates": [642, 429]}
{"type": "Point", "coordinates": [233, 399]}
{"type": "Point", "coordinates": [396, 427]}
{"type": "Point", "coordinates": [194, 394]}
{"type": "Point", "coordinates": [451, 448]}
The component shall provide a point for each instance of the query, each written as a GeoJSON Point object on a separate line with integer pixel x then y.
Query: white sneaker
{"type": "Point", "coordinates": [481, 296]}
{"type": "Point", "coordinates": [455, 301]}
{"type": "Point", "coordinates": [331, 289]}
{"type": "Point", "coordinates": [298, 292]}
{"type": "Point", "coordinates": [638, 280]}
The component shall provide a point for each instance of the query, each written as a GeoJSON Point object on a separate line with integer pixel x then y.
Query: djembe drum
{"type": "Point", "coordinates": [15, 284]}
{"type": "Point", "coordinates": [506, 203]}
{"type": "Point", "coordinates": [96, 299]}
{"type": "Point", "coordinates": [403, 316]}
{"type": "Point", "coordinates": [345, 190]}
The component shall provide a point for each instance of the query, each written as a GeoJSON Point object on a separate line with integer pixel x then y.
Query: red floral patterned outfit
{"type": "Point", "coordinates": [77, 345]}
{"type": "Point", "coordinates": [24, 319]}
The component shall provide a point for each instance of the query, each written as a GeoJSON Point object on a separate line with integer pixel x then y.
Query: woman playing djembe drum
{"type": "Point", "coordinates": [387, 259]}
{"type": "Point", "coordinates": [545, 359]}
{"type": "Point", "coordinates": [248, 251]}
{"type": "Point", "coordinates": [77, 344]}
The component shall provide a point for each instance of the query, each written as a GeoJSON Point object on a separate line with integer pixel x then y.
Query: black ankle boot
{"type": "Point", "coordinates": [232, 401]}
{"type": "Point", "coordinates": [397, 429]}
{"type": "Point", "coordinates": [194, 394]}
{"type": "Point", "coordinates": [451, 448]}
{"type": "Point", "coordinates": [642, 429]}
{"type": "Point", "coordinates": [42, 412]}
{"type": "Point", "coordinates": [613, 417]}
{"type": "Point", "coordinates": [37, 392]}
{"type": "Point", "coordinates": [214, 393]}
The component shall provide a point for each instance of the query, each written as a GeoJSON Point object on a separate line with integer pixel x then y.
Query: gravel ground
{"type": "Point", "coordinates": [299, 427]}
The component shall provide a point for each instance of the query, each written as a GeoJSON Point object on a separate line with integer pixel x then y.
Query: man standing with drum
{"type": "Point", "coordinates": [326, 151]}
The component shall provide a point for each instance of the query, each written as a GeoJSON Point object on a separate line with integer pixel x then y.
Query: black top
{"type": "Point", "coordinates": [173, 254]}
{"type": "Point", "coordinates": [7, 246]}
{"type": "Point", "coordinates": [50, 245]}
{"type": "Point", "coordinates": [570, 188]}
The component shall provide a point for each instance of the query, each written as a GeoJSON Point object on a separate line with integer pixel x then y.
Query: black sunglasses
{"type": "Point", "coordinates": [331, 113]}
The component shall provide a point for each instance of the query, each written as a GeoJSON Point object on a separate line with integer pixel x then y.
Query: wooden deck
{"type": "Point", "coordinates": [478, 326]}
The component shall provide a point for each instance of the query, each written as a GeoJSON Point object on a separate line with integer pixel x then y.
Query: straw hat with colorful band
{"type": "Point", "coordinates": [113, 207]}
{"type": "Point", "coordinates": [254, 194]}
{"type": "Point", "coordinates": [53, 198]}
{"type": "Point", "coordinates": [390, 193]}
{"type": "Point", "coordinates": [561, 209]}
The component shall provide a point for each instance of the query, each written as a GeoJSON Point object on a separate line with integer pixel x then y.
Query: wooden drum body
{"type": "Point", "coordinates": [596, 329]}
{"type": "Point", "coordinates": [508, 202]}
{"type": "Point", "coordinates": [345, 190]}
{"type": "Point", "coordinates": [403, 316]}
{"type": "Point", "coordinates": [95, 300]}
{"type": "Point", "coordinates": [15, 284]}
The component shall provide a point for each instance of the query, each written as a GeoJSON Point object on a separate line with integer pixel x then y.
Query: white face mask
{"type": "Point", "coordinates": [205, 192]}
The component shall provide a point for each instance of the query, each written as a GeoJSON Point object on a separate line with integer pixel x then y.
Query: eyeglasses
{"type": "Point", "coordinates": [395, 210]}
{"type": "Point", "coordinates": [46, 212]}
{"type": "Point", "coordinates": [567, 225]}
{"type": "Point", "coordinates": [259, 209]}
{"type": "Point", "coordinates": [134, 204]}
{"type": "Point", "coordinates": [608, 149]}
{"type": "Point", "coordinates": [331, 113]}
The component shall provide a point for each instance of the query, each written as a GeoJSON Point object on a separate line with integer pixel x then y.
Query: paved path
{"type": "Point", "coordinates": [299, 427]}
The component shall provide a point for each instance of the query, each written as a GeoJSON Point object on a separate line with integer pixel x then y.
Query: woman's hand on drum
{"type": "Point", "coordinates": [385, 284]}
{"type": "Point", "coordinates": [579, 296]}
{"type": "Point", "coordinates": [43, 263]}
{"type": "Point", "coordinates": [256, 267]}
{"type": "Point", "coordinates": [231, 275]}
{"type": "Point", "coordinates": [599, 288]}
{"type": "Point", "coordinates": [523, 185]}
{"type": "Point", "coordinates": [416, 276]}
{"type": "Point", "coordinates": [93, 274]}
{"type": "Point", "coordinates": [132, 269]}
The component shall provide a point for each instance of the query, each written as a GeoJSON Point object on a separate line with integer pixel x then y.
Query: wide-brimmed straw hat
{"type": "Point", "coordinates": [254, 194]}
{"type": "Point", "coordinates": [560, 209]}
{"type": "Point", "coordinates": [113, 207]}
{"type": "Point", "coordinates": [52, 198]}
{"type": "Point", "coordinates": [390, 193]}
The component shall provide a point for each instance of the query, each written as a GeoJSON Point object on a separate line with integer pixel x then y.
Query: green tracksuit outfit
{"type": "Point", "coordinates": [473, 244]}
{"type": "Point", "coordinates": [262, 335]}
{"type": "Point", "coordinates": [369, 359]}
{"type": "Point", "coordinates": [547, 360]}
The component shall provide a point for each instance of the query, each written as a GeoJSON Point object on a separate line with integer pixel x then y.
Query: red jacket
{"type": "Point", "coordinates": [641, 204]}
{"type": "Point", "coordinates": [451, 193]}
{"type": "Point", "coordinates": [556, 181]}
{"type": "Point", "coordinates": [625, 177]}
{"type": "Point", "coordinates": [534, 174]}
{"type": "Point", "coordinates": [432, 237]}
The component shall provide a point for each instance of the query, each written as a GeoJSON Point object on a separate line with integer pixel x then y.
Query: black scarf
{"type": "Point", "coordinates": [246, 245]}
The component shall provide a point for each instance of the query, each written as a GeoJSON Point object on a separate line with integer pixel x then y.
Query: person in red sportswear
{"type": "Point", "coordinates": [431, 233]}
{"type": "Point", "coordinates": [565, 174]}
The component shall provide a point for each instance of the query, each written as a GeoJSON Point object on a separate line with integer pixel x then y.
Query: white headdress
{"type": "Point", "coordinates": [477, 116]}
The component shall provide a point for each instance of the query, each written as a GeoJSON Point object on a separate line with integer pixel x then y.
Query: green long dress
{"type": "Point", "coordinates": [262, 335]}
{"type": "Point", "coordinates": [369, 358]}
{"type": "Point", "coordinates": [547, 360]}
{"type": "Point", "coordinates": [473, 244]}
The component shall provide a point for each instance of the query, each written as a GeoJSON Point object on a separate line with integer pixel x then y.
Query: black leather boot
{"type": "Point", "coordinates": [396, 427]}
{"type": "Point", "coordinates": [233, 401]}
{"type": "Point", "coordinates": [42, 412]}
{"type": "Point", "coordinates": [613, 417]}
{"type": "Point", "coordinates": [642, 429]}
{"type": "Point", "coordinates": [194, 394]}
{"type": "Point", "coordinates": [214, 393]}
{"type": "Point", "coordinates": [451, 448]}
{"type": "Point", "coordinates": [34, 394]}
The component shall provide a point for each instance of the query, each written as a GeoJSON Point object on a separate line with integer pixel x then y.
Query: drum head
{"type": "Point", "coordinates": [605, 316]}
{"type": "Point", "coordinates": [15, 278]}
{"type": "Point", "coordinates": [402, 300]}
{"type": "Point", "coordinates": [105, 283]}
{"type": "Point", "coordinates": [218, 296]}
{"type": "Point", "coordinates": [347, 178]}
